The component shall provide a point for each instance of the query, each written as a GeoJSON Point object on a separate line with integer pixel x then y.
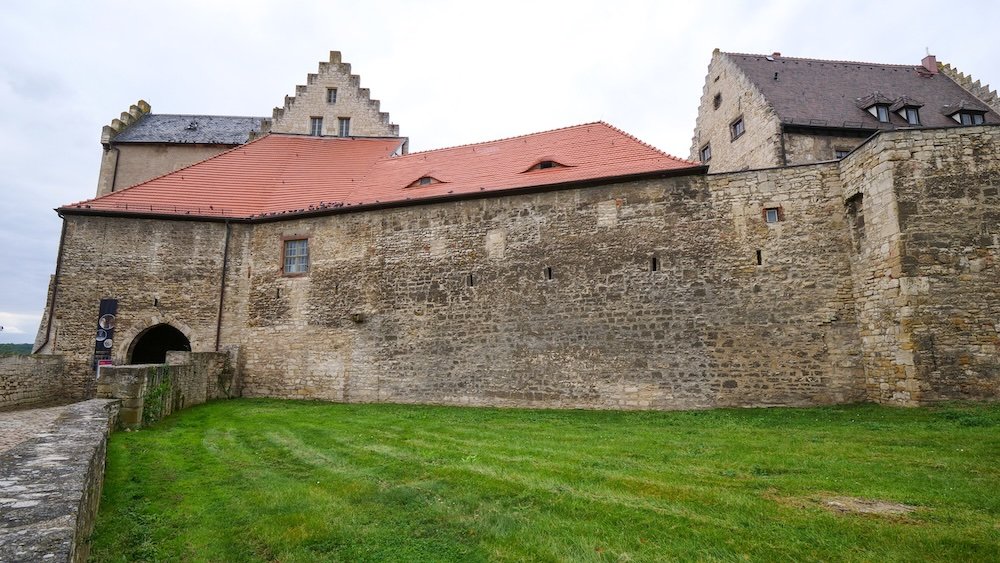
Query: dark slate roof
{"type": "Point", "coordinates": [819, 93]}
{"type": "Point", "coordinates": [184, 129]}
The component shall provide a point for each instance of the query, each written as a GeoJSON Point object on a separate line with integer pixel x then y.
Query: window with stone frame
{"type": "Point", "coordinates": [773, 214]}
{"type": "Point", "coordinates": [295, 256]}
{"type": "Point", "coordinates": [706, 153]}
{"type": "Point", "coordinates": [344, 126]}
{"type": "Point", "coordinates": [737, 128]}
{"type": "Point", "coordinates": [316, 126]}
{"type": "Point", "coordinates": [331, 95]}
{"type": "Point", "coordinates": [841, 153]}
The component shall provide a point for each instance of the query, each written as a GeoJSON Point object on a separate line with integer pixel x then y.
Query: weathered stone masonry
{"type": "Point", "coordinates": [879, 282]}
{"type": "Point", "coordinates": [927, 269]}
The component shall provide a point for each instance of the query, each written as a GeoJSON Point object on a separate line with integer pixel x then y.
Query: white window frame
{"type": "Point", "coordinates": [316, 126]}
{"type": "Point", "coordinates": [295, 256]}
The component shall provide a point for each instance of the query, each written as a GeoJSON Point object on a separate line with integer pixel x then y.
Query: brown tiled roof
{"type": "Point", "coordinates": [280, 174]}
{"type": "Point", "coordinates": [821, 93]}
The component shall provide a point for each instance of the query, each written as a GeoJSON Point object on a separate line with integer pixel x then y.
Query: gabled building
{"type": "Point", "coordinates": [577, 267]}
{"type": "Point", "coordinates": [759, 111]}
{"type": "Point", "coordinates": [140, 145]}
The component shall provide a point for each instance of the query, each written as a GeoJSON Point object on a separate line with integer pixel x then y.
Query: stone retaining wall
{"type": "Point", "coordinates": [151, 392]}
{"type": "Point", "coordinates": [30, 380]}
{"type": "Point", "coordinates": [50, 486]}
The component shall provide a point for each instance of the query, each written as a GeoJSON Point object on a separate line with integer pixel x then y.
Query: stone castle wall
{"type": "Point", "coordinates": [31, 380]}
{"type": "Point", "coordinates": [878, 282]}
{"type": "Point", "coordinates": [946, 185]}
{"type": "Point", "coordinates": [926, 263]}
{"type": "Point", "coordinates": [809, 148]}
{"type": "Point", "coordinates": [160, 271]}
{"type": "Point", "coordinates": [760, 144]}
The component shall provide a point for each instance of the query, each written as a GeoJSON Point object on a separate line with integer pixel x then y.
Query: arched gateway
{"type": "Point", "coordinates": [151, 346]}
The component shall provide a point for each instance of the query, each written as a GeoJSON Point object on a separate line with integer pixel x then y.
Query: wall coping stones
{"type": "Point", "coordinates": [50, 486]}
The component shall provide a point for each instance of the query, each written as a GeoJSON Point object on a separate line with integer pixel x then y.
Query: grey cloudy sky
{"type": "Point", "coordinates": [448, 72]}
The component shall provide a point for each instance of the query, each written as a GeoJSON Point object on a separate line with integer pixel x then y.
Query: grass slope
{"type": "Point", "coordinates": [273, 480]}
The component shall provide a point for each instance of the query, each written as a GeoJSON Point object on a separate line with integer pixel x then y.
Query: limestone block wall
{"type": "Point", "coordinates": [52, 486]}
{"type": "Point", "coordinates": [160, 272]}
{"type": "Point", "coordinates": [128, 164]}
{"type": "Point", "coordinates": [946, 183]}
{"type": "Point", "coordinates": [806, 148]}
{"type": "Point", "coordinates": [554, 299]}
{"type": "Point", "coordinates": [760, 144]}
{"type": "Point", "coordinates": [31, 380]}
{"type": "Point", "coordinates": [925, 265]}
{"type": "Point", "coordinates": [151, 392]}
{"type": "Point", "coordinates": [879, 284]}
{"type": "Point", "coordinates": [352, 101]}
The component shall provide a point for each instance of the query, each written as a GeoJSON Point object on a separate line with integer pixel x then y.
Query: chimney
{"type": "Point", "coordinates": [930, 64]}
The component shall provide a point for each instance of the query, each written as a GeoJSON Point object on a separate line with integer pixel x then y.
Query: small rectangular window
{"type": "Point", "coordinates": [331, 95]}
{"type": "Point", "coordinates": [736, 128]}
{"type": "Point", "coordinates": [912, 116]}
{"type": "Point", "coordinates": [841, 153]}
{"type": "Point", "coordinates": [296, 256]}
{"type": "Point", "coordinates": [970, 118]}
{"type": "Point", "coordinates": [772, 214]}
{"type": "Point", "coordinates": [706, 153]}
{"type": "Point", "coordinates": [316, 126]}
{"type": "Point", "coordinates": [344, 126]}
{"type": "Point", "coordinates": [882, 113]}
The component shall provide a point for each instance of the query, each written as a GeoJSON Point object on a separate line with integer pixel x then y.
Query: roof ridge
{"type": "Point", "coordinates": [237, 147]}
{"type": "Point", "coordinates": [837, 61]}
{"type": "Point", "coordinates": [511, 138]}
{"type": "Point", "coordinates": [204, 115]}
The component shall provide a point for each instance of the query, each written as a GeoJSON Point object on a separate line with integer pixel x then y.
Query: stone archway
{"type": "Point", "coordinates": [151, 345]}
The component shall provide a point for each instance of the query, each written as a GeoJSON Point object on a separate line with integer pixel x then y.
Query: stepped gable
{"type": "Point", "coordinates": [191, 129]}
{"type": "Point", "coordinates": [821, 93]}
{"type": "Point", "coordinates": [135, 112]}
{"type": "Point", "coordinates": [982, 92]}
{"type": "Point", "coordinates": [350, 101]}
{"type": "Point", "coordinates": [287, 174]}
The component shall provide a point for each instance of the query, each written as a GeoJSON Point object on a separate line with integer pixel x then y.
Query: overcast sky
{"type": "Point", "coordinates": [447, 72]}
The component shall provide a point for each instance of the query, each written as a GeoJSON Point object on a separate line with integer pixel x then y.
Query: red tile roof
{"type": "Point", "coordinates": [280, 174]}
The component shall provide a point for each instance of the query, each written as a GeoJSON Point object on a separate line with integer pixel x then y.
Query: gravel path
{"type": "Point", "coordinates": [23, 425]}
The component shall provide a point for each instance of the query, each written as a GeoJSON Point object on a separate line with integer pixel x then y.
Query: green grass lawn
{"type": "Point", "coordinates": [267, 480]}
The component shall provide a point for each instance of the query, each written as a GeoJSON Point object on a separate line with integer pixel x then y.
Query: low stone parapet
{"type": "Point", "coordinates": [150, 392]}
{"type": "Point", "coordinates": [50, 486]}
{"type": "Point", "coordinates": [31, 380]}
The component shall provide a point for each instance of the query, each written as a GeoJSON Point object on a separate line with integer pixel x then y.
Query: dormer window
{"type": "Point", "coordinates": [911, 115]}
{"type": "Point", "coordinates": [545, 164]}
{"type": "Point", "coordinates": [424, 181]}
{"type": "Point", "coordinates": [967, 117]}
{"type": "Point", "coordinates": [881, 113]}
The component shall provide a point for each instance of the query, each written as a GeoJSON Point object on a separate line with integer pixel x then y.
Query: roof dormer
{"type": "Point", "coordinates": [908, 109]}
{"type": "Point", "coordinates": [545, 165]}
{"type": "Point", "coordinates": [424, 181]}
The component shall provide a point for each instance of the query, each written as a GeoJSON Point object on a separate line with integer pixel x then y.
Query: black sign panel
{"type": "Point", "coordinates": [105, 332]}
